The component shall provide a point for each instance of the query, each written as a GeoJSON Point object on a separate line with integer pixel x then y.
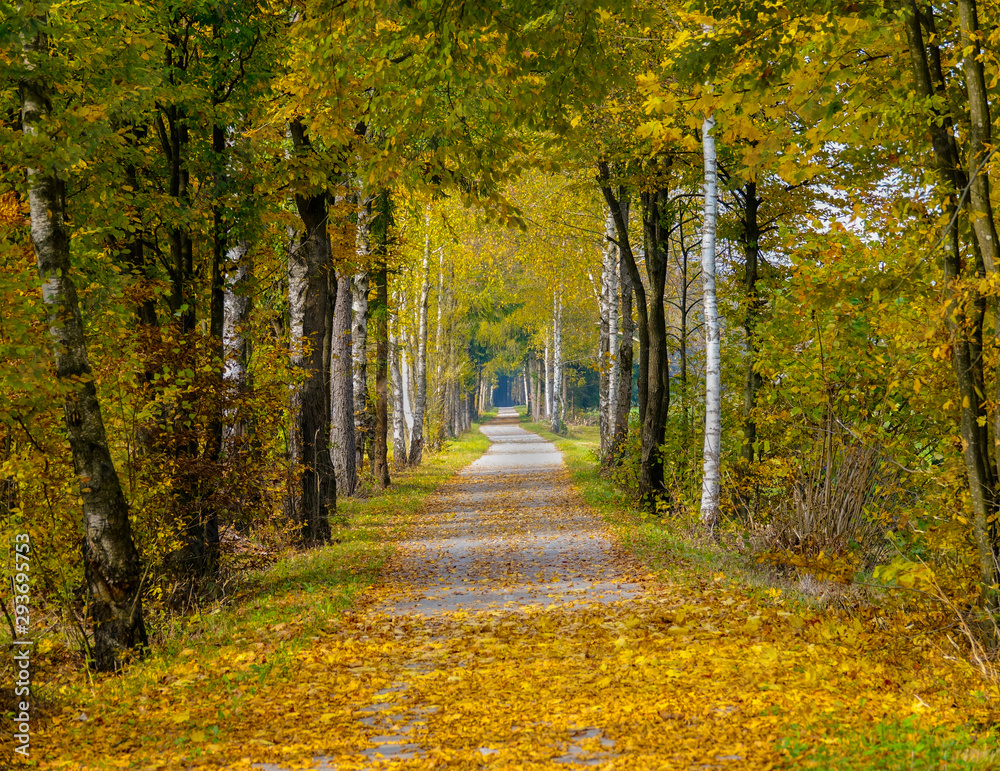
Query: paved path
{"type": "Point", "coordinates": [507, 539]}
{"type": "Point", "coordinates": [511, 533]}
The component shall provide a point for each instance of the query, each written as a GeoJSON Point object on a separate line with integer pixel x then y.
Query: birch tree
{"type": "Point", "coordinates": [558, 402]}
{"type": "Point", "coordinates": [399, 453]}
{"type": "Point", "coordinates": [342, 436]}
{"type": "Point", "coordinates": [112, 568]}
{"type": "Point", "coordinates": [236, 320]}
{"type": "Point", "coordinates": [420, 402]}
{"type": "Point", "coordinates": [625, 352]}
{"type": "Point", "coordinates": [359, 360]}
{"type": "Point", "coordinates": [609, 366]}
{"type": "Point", "coordinates": [713, 364]}
{"type": "Point", "coordinates": [548, 377]}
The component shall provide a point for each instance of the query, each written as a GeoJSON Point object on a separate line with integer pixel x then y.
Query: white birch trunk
{"type": "Point", "coordinates": [713, 367]}
{"type": "Point", "coordinates": [236, 318]}
{"type": "Point", "coordinates": [438, 353]}
{"type": "Point", "coordinates": [342, 431]}
{"type": "Point", "coordinates": [359, 364]}
{"type": "Point", "coordinates": [548, 378]}
{"type": "Point", "coordinates": [112, 566]}
{"type": "Point", "coordinates": [420, 405]}
{"type": "Point", "coordinates": [399, 453]}
{"type": "Point", "coordinates": [407, 398]}
{"type": "Point", "coordinates": [603, 354]}
{"type": "Point", "coordinates": [558, 403]}
{"type": "Point", "coordinates": [614, 370]}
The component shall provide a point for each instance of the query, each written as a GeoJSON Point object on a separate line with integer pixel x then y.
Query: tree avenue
{"type": "Point", "coordinates": [263, 262]}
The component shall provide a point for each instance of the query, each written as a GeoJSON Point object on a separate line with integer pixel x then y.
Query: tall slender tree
{"type": "Point", "coordinates": [713, 363]}
{"type": "Point", "coordinates": [420, 401]}
{"type": "Point", "coordinates": [112, 568]}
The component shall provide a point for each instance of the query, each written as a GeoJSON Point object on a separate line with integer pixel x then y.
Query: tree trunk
{"type": "Point", "coordinates": [359, 367]}
{"type": "Point", "coordinates": [654, 420]}
{"type": "Point", "coordinates": [558, 400]}
{"type": "Point", "coordinates": [235, 326]}
{"type": "Point", "coordinates": [420, 407]}
{"type": "Point", "coordinates": [952, 181]}
{"type": "Point", "coordinates": [604, 350]}
{"type": "Point", "coordinates": [310, 286]}
{"type": "Point", "coordinates": [342, 438]}
{"type": "Point", "coordinates": [981, 148]}
{"type": "Point", "coordinates": [626, 346]}
{"type": "Point", "coordinates": [399, 454]}
{"type": "Point", "coordinates": [407, 395]}
{"type": "Point", "coordinates": [751, 251]}
{"type": "Point", "coordinates": [380, 459]}
{"type": "Point", "coordinates": [614, 370]}
{"type": "Point", "coordinates": [713, 364]}
{"type": "Point", "coordinates": [548, 377]}
{"type": "Point", "coordinates": [619, 210]}
{"type": "Point", "coordinates": [112, 569]}
{"type": "Point", "coordinates": [682, 343]}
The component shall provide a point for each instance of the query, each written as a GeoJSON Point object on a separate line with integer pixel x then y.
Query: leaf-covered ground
{"type": "Point", "coordinates": [509, 633]}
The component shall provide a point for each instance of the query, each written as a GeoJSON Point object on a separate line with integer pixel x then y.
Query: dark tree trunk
{"type": "Point", "coordinates": [750, 239]}
{"type": "Point", "coordinates": [654, 421]}
{"type": "Point", "coordinates": [620, 214]}
{"type": "Point", "coordinates": [310, 268]}
{"type": "Point", "coordinates": [112, 567]}
{"type": "Point", "coordinates": [925, 61]}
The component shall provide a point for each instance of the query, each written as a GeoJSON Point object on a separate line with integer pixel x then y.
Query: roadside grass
{"type": "Point", "coordinates": [253, 635]}
{"type": "Point", "coordinates": [679, 552]}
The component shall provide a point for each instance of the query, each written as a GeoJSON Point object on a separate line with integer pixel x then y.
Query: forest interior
{"type": "Point", "coordinates": [535, 384]}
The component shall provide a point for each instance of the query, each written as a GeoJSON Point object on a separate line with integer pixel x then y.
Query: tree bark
{"type": "Point", "coordinates": [654, 420]}
{"type": "Point", "coordinates": [112, 569]}
{"type": "Point", "coordinates": [614, 371]}
{"type": "Point", "coordinates": [952, 182]}
{"type": "Point", "coordinates": [399, 454]}
{"type": "Point", "coordinates": [558, 397]}
{"type": "Point", "coordinates": [981, 148]}
{"type": "Point", "coordinates": [713, 364]}
{"type": "Point", "coordinates": [609, 363]}
{"type": "Point", "coordinates": [235, 326]}
{"type": "Point", "coordinates": [604, 351]}
{"type": "Point", "coordinates": [548, 378]}
{"type": "Point", "coordinates": [750, 238]}
{"type": "Point", "coordinates": [420, 406]}
{"type": "Point", "coordinates": [359, 366]}
{"type": "Point", "coordinates": [342, 438]}
{"type": "Point", "coordinates": [380, 456]}
{"type": "Point", "coordinates": [310, 269]}
{"type": "Point", "coordinates": [626, 345]}
{"type": "Point", "coordinates": [619, 210]}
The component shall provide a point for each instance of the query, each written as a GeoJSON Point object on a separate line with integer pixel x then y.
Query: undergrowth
{"type": "Point", "coordinates": [680, 552]}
